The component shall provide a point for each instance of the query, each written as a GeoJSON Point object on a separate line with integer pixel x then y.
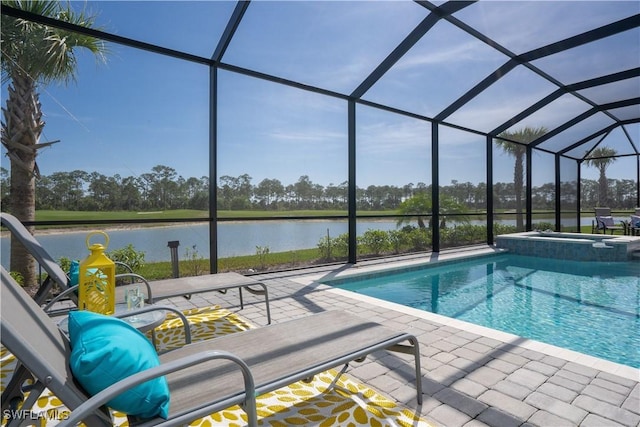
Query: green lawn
{"type": "Point", "coordinates": [44, 215]}
{"type": "Point", "coordinates": [288, 259]}
{"type": "Point", "coordinates": [47, 215]}
{"type": "Point", "coordinates": [116, 215]}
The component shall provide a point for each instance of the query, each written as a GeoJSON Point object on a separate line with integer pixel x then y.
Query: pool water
{"type": "Point", "coordinates": [592, 308]}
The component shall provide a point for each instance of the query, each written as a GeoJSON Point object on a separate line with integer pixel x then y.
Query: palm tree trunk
{"type": "Point", "coordinates": [20, 134]}
{"type": "Point", "coordinates": [604, 187]}
{"type": "Point", "coordinates": [518, 186]}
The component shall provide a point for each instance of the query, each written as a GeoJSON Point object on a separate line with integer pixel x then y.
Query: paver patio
{"type": "Point", "coordinates": [470, 378]}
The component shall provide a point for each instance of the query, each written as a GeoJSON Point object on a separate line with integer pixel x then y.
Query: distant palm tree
{"type": "Point", "coordinates": [601, 158]}
{"type": "Point", "coordinates": [525, 136]}
{"type": "Point", "coordinates": [34, 54]}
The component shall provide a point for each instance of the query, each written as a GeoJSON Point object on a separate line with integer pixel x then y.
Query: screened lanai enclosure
{"type": "Point", "coordinates": [349, 129]}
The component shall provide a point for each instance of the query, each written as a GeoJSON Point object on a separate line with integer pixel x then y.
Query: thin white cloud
{"type": "Point", "coordinates": [307, 135]}
{"type": "Point", "coordinates": [555, 113]}
{"type": "Point", "coordinates": [462, 52]}
{"type": "Point", "coordinates": [408, 137]}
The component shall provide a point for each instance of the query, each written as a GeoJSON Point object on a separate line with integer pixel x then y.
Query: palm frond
{"type": "Point", "coordinates": [44, 53]}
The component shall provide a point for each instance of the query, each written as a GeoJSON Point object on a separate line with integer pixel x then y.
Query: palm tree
{"type": "Point", "coordinates": [524, 136]}
{"type": "Point", "coordinates": [32, 55]}
{"type": "Point", "coordinates": [602, 158]}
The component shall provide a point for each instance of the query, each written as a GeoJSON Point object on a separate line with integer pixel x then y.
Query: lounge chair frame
{"type": "Point", "coordinates": [203, 377]}
{"type": "Point", "coordinates": [633, 229]}
{"type": "Point", "coordinates": [600, 225]}
{"type": "Point", "coordinates": [156, 290]}
{"type": "Point", "coordinates": [46, 261]}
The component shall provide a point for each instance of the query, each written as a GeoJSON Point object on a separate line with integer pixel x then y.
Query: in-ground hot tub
{"type": "Point", "coordinates": [571, 246]}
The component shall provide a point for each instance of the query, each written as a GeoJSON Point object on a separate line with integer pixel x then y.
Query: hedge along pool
{"type": "Point", "coordinates": [592, 308]}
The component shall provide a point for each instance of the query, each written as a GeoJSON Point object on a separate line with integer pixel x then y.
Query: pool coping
{"type": "Point", "coordinates": [508, 338]}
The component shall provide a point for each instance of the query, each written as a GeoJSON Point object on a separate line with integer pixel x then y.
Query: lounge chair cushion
{"type": "Point", "coordinates": [607, 221]}
{"type": "Point", "coordinates": [105, 350]}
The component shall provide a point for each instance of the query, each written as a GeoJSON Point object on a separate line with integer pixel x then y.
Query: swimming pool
{"type": "Point", "coordinates": [592, 308]}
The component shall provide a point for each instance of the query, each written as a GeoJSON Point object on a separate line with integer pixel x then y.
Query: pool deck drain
{"type": "Point", "coordinates": [472, 375]}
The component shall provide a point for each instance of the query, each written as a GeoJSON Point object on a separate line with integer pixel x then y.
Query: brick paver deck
{"type": "Point", "coordinates": [469, 378]}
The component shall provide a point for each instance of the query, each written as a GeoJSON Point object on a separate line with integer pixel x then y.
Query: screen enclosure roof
{"type": "Point", "coordinates": [568, 68]}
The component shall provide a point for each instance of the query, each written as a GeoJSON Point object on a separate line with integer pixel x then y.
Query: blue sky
{"type": "Point", "coordinates": [140, 110]}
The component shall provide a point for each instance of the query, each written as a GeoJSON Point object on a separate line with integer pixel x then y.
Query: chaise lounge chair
{"type": "Point", "coordinates": [203, 377]}
{"type": "Point", "coordinates": [164, 289]}
{"type": "Point", "coordinates": [634, 223]}
{"type": "Point", "coordinates": [187, 286]}
{"type": "Point", "coordinates": [156, 290]}
{"type": "Point", "coordinates": [604, 222]}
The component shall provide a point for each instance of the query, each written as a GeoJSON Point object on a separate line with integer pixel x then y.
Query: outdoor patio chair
{"type": "Point", "coordinates": [187, 286]}
{"type": "Point", "coordinates": [156, 290]}
{"type": "Point", "coordinates": [203, 377]}
{"type": "Point", "coordinates": [604, 222]}
{"type": "Point", "coordinates": [165, 289]}
{"type": "Point", "coordinates": [634, 223]}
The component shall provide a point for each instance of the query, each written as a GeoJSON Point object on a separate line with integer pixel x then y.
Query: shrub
{"type": "Point", "coordinates": [262, 252]}
{"type": "Point", "coordinates": [398, 240]}
{"type": "Point", "coordinates": [499, 228]}
{"type": "Point", "coordinates": [376, 241]}
{"type": "Point", "coordinates": [340, 246]}
{"type": "Point", "coordinates": [324, 248]}
{"type": "Point", "coordinates": [17, 277]}
{"type": "Point", "coordinates": [194, 263]}
{"type": "Point", "coordinates": [128, 255]}
{"type": "Point", "coordinates": [420, 239]}
{"type": "Point", "coordinates": [336, 248]}
{"type": "Point", "coordinates": [65, 264]}
{"type": "Point", "coordinates": [464, 234]}
{"type": "Point", "coordinates": [543, 226]}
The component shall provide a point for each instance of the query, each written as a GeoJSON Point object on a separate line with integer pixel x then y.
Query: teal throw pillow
{"type": "Point", "coordinates": [105, 350]}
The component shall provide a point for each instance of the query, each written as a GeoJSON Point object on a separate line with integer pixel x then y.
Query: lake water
{"type": "Point", "coordinates": [234, 238]}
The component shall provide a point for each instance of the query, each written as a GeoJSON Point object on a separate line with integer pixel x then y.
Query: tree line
{"type": "Point", "coordinates": [164, 189]}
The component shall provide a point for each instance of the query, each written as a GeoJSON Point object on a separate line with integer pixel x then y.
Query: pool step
{"type": "Point", "coordinates": [601, 245]}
